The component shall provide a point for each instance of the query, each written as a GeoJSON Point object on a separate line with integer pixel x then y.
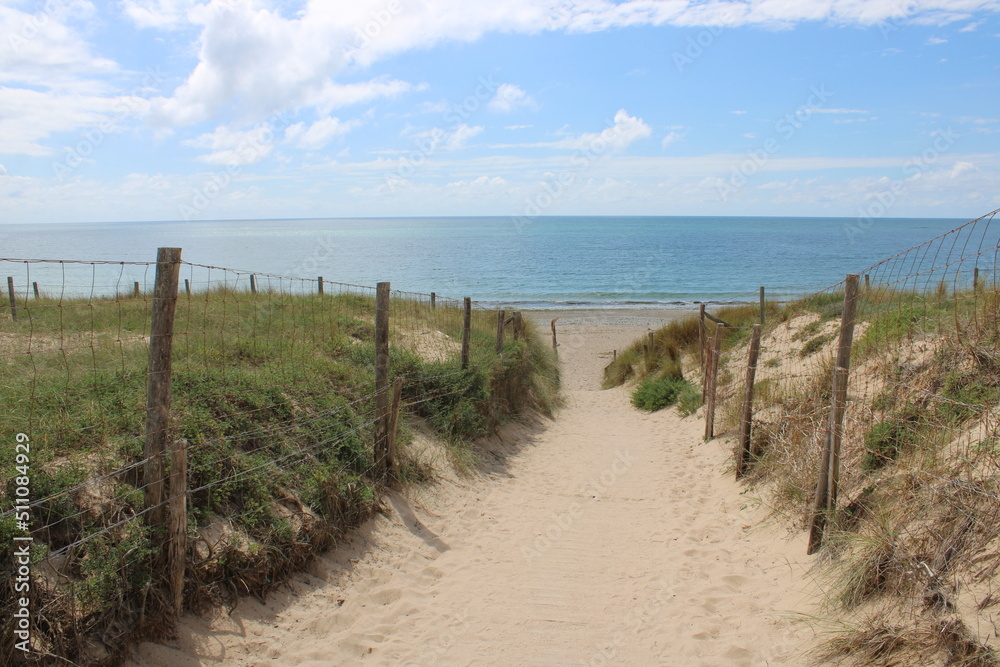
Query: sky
{"type": "Point", "coordinates": [138, 110]}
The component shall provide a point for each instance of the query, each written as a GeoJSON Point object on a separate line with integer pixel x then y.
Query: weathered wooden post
{"type": "Point", "coordinates": [829, 476]}
{"type": "Point", "coordinates": [746, 414]}
{"type": "Point", "coordinates": [555, 343]}
{"type": "Point", "coordinates": [713, 376]}
{"type": "Point", "coordinates": [34, 286]}
{"type": "Point", "coordinates": [136, 290]}
{"type": "Point", "coordinates": [177, 546]}
{"type": "Point", "coordinates": [517, 325]}
{"type": "Point", "coordinates": [13, 298]}
{"type": "Point", "coordinates": [382, 397]}
{"type": "Point", "coordinates": [501, 316]}
{"type": "Point", "coordinates": [762, 308]}
{"type": "Point", "coordinates": [253, 284]}
{"type": "Point", "coordinates": [975, 279]}
{"type": "Point", "coordinates": [161, 337]}
{"type": "Point", "coordinates": [868, 282]}
{"type": "Point", "coordinates": [467, 332]}
{"type": "Point", "coordinates": [433, 300]}
{"type": "Point", "coordinates": [187, 287]}
{"type": "Point", "coordinates": [319, 282]}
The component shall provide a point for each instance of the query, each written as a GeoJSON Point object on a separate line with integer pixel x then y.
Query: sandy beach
{"type": "Point", "coordinates": [605, 536]}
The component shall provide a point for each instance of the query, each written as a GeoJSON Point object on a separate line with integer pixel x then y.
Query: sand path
{"type": "Point", "coordinates": [603, 537]}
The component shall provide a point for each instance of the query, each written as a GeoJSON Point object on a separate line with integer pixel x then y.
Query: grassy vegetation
{"type": "Point", "coordinates": [920, 498]}
{"type": "Point", "coordinates": [675, 346]}
{"type": "Point", "coordinates": [654, 394]}
{"type": "Point", "coordinates": [273, 392]}
{"type": "Point", "coordinates": [920, 506]}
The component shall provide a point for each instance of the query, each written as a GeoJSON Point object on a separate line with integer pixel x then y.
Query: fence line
{"type": "Point", "coordinates": [887, 443]}
{"type": "Point", "coordinates": [268, 378]}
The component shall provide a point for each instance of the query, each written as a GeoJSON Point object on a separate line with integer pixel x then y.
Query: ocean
{"type": "Point", "coordinates": [550, 262]}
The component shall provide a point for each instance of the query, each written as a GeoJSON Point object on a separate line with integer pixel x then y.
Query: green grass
{"type": "Point", "coordinates": [654, 394]}
{"type": "Point", "coordinates": [273, 393]}
{"type": "Point", "coordinates": [676, 344]}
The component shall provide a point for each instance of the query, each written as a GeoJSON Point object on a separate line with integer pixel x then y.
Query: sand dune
{"type": "Point", "coordinates": [603, 537]}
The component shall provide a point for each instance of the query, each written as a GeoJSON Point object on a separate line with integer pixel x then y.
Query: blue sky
{"type": "Point", "coordinates": [186, 109]}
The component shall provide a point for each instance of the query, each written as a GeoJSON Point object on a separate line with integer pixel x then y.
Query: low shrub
{"type": "Point", "coordinates": [655, 394]}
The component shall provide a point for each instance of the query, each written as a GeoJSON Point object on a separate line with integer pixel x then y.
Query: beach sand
{"type": "Point", "coordinates": [605, 536]}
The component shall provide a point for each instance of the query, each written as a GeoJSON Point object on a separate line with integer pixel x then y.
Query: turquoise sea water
{"type": "Point", "coordinates": [548, 262]}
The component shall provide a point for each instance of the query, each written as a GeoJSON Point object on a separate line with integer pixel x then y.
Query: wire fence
{"type": "Point", "coordinates": [274, 410]}
{"type": "Point", "coordinates": [876, 424]}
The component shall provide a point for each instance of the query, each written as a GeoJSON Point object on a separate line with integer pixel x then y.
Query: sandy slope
{"type": "Point", "coordinates": [604, 537]}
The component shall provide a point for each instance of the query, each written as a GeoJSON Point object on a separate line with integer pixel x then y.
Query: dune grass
{"type": "Point", "coordinates": [272, 391]}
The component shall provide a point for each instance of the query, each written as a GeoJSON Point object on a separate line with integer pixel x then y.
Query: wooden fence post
{"type": "Point", "coordinates": [161, 338]}
{"type": "Point", "coordinates": [177, 548]}
{"type": "Point", "coordinates": [466, 332]}
{"type": "Point", "coordinates": [501, 316]}
{"type": "Point", "coordinates": [13, 299]}
{"type": "Point", "coordinates": [433, 300]}
{"type": "Point", "coordinates": [763, 309]}
{"type": "Point", "coordinates": [382, 397]}
{"type": "Point", "coordinates": [829, 475]}
{"type": "Point", "coordinates": [136, 290]}
{"type": "Point", "coordinates": [555, 344]}
{"type": "Point", "coordinates": [713, 377]}
{"type": "Point", "coordinates": [187, 287]}
{"type": "Point", "coordinates": [34, 286]}
{"type": "Point", "coordinates": [746, 415]}
{"type": "Point", "coordinates": [253, 284]}
{"type": "Point", "coordinates": [868, 282]}
{"type": "Point", "coordinates": [975, 279]}
{"type": "Point", "coordinates": [517, 325]}
{"type": "Point", "coordinates": [320, 284]}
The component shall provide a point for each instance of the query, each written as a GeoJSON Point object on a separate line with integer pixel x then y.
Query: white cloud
{"type": "Point", "coordinates": [510, 97]}
{"type": "Point", "coordinates": [935, 41]}
{"type": "Point", "coordinates": [972, 27]}
{"type": "Point", "coordinates": [164, 14]}
{"type": "Point", "coordinates": [259, 60]}
{"type": "Point", "coordinates": [738, 112]}
{"type": "Point", "coordinates": [625, 131]}
{"type": "Point", "coordinates": [435, 139]}
{"type": "Point", "coordinates": [460, 137]}
{"type": "Point", "coordinates": [320, 133]}
{"type": "Point", "coordinates": [28, 117]}
{"type": "Point", "coordinates": [672, 138]}
{"type": "Point", "coordinates": [516, 127]}
{"type": "Point", "coordinates": [235, 147]}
